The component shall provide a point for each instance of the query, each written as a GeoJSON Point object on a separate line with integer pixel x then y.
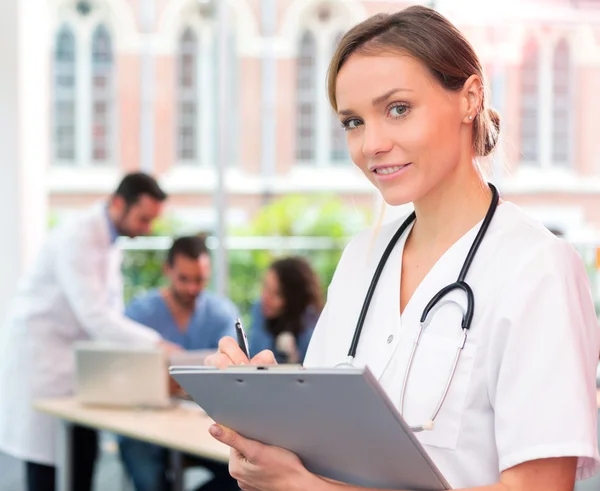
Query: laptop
{"type": "Point", "coordinates": [116, 376]}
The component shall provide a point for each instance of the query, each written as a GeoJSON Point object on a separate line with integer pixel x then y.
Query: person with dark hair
{"type": "Point", "coordinates": [72, 293]}
{"type": "Point", "coordinates": [475, 320]}
{"type": "Point", "coordinates": [135, 204]}
{"type": "Point", "coordinates": [186, 314]}
{"type": "Point", "coordinates": [284, 319]}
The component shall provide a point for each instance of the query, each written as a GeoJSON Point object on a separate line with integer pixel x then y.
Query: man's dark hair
{"type": "Point", "coordinates": [191, 247]}
{"type": "Point", "coordinates": [133, 186]}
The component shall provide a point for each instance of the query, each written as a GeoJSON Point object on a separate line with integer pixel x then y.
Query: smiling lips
{"type": "Point", "coordinates": [386, 171]}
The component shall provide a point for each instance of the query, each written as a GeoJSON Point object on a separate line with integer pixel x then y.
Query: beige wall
{"type": "Point", "coordinates": [586, 104]}
{"type": "Point", "coordinates": [128, 127]}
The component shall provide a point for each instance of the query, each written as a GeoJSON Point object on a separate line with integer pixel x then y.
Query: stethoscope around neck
{"type": "Point", "coordinates": [459, 284]}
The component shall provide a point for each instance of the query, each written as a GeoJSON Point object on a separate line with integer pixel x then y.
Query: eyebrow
{"type": "Point", "coordinates": [378, 100]}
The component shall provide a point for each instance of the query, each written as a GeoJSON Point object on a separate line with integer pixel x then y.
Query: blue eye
{"type": "Point", "coordinates": [351, 124]}
{"type": "Point", "coordinates": [398, 110]}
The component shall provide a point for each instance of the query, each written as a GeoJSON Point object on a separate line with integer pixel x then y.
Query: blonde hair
{"type": "Point", "coordinates": [377, 227]}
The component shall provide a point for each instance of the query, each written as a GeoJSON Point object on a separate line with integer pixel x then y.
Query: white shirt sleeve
{"type": "Point", "coordinates": [316, 352]}
{"type": "Point", "coordinates": [542, 363]}
{"type": "Point", "coordinates": [80, 274]}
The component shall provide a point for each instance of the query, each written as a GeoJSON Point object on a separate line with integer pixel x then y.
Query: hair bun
{"type": "Point", "coordinates": [492, 131]}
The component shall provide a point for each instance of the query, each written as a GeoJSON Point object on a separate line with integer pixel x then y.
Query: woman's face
{"type": "Point", "coordinates": [271, 299]}
{"type": "Point", "coordinates": [405, 132]}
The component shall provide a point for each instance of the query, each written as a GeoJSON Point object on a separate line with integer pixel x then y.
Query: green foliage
{"type": "Point", "coordinates": [292, 216]}
{"type": "Point", "coordinates": [142, 270]}
{"type": "Point", "coordinates": [52, 219]}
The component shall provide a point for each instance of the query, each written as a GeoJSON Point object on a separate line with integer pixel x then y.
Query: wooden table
{"type": "Point", "coordinates": [182, 430]}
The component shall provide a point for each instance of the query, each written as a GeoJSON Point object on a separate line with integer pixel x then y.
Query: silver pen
{"type": "Point", "coordinates": [242, 340]}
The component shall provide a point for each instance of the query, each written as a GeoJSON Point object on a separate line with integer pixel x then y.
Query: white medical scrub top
{"type": "Point", "coordinates": [525, 385]}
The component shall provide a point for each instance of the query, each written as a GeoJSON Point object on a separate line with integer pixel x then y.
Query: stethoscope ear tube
{"type": "Point", "coordinates": [367, 302]}
{"type": "Point", "coordinates": [459, 285]}
{"type": "Point", "coordinates": [480, 234]}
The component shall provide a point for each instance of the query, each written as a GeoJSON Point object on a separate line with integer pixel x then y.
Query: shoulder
{"type": "Point", "coordinates": [310, 318]}
{"type": "Point", "coordinates": [257, 319]}
{"type": "Point", "coordinates": [374, 239]}
{"type": "Point", "coordinates": [145, 304]}
{"type": "Point", "coordinates": [540, 278]}
{"type": "Point", "coordinates": [83, 228]}
{"type": "Point", "coordinates": [529, 247]}
{"type": "Point", "coordinates": [218, 306]}
{"type": "Point", "coordinates": [256, 310]}
{"type": "Point", "coordinates": [364, 251]}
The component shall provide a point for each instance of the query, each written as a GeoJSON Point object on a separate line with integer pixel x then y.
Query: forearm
{"type": "Point", "coordinates": [328, 485]}
{"type": "Point", "coordinates": [112, 326]}
{"type": "Point", "coordinates": [551, 474]}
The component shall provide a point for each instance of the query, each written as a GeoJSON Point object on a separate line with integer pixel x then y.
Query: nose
{"type": "Point", "coordinates": [375, 140]}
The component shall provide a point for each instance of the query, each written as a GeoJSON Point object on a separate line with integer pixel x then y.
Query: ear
{"type": "Point", "coordinates": [118, 202]}
{"type": "Point", "coordinates": [472, 93]}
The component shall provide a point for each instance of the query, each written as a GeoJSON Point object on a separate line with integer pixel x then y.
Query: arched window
{"type": "Point", "coordinates": [561, 98]}
{"type": "Point", "coordinates": [530, 104]}
{"type": "Point", "coordinates": [64, 96]}
{"type": "Point", "coordinates": [306, 94]}
{"type": "Point", "coordinates": [102, 95]}
{"type": "Point", "coordinates": [338, 146]}
{"type": "Point", "coordinates": [187, 93]}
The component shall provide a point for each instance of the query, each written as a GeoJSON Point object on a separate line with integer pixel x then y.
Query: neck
{"type": "Point", "coordinates": [449, 211]}
{"type": "Point", "coordinates": [174, 304]}
{"type": "Point", "coordinates": [112, 213]}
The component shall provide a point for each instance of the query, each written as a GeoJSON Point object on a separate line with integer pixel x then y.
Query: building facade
{"type": "Point", "coordinates": [135, 85]}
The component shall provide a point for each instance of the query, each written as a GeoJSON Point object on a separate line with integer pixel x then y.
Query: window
{"type": "Point", "coordinates": [187, 81]}
{"type": "Point", "coordinates": [530, 104]}
{"type": "Point", "coordinates": [306, 93]}
{"type": "Point", "coordinates": [84, 89]}
{"type": "Point", "coordinates": [102, 91]}
{"type": "Point", "coordinates": [196, 94]}
{"type": "Point", "coordinates": [320, 139]}
{"type": "Point", "coordinates": [561, 99]}
{"type": "Point", "coordinates": [64, 96]}
{"type": "Point", "coordinates": [338, 146]}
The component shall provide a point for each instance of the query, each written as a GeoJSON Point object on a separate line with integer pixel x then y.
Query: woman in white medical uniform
{"type": "Point", "coordinates": [520, 412]}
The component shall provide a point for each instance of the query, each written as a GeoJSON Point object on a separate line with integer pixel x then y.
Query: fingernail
{"type": "Point", "coordinates": [216, 431]}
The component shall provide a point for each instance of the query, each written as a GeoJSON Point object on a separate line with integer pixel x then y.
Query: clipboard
{"type": "Point", "coordinates": [339, 422]}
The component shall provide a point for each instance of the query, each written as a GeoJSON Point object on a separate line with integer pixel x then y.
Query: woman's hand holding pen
{"type": "Point", "coordinates": [229, 353]}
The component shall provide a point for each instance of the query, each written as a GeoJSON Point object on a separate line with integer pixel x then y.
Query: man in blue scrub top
{"type": "Point", "coordinates": [188, 315]}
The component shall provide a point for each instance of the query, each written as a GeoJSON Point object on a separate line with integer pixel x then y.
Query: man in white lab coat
{"type": "Point", "coordinates": [73, 292]}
